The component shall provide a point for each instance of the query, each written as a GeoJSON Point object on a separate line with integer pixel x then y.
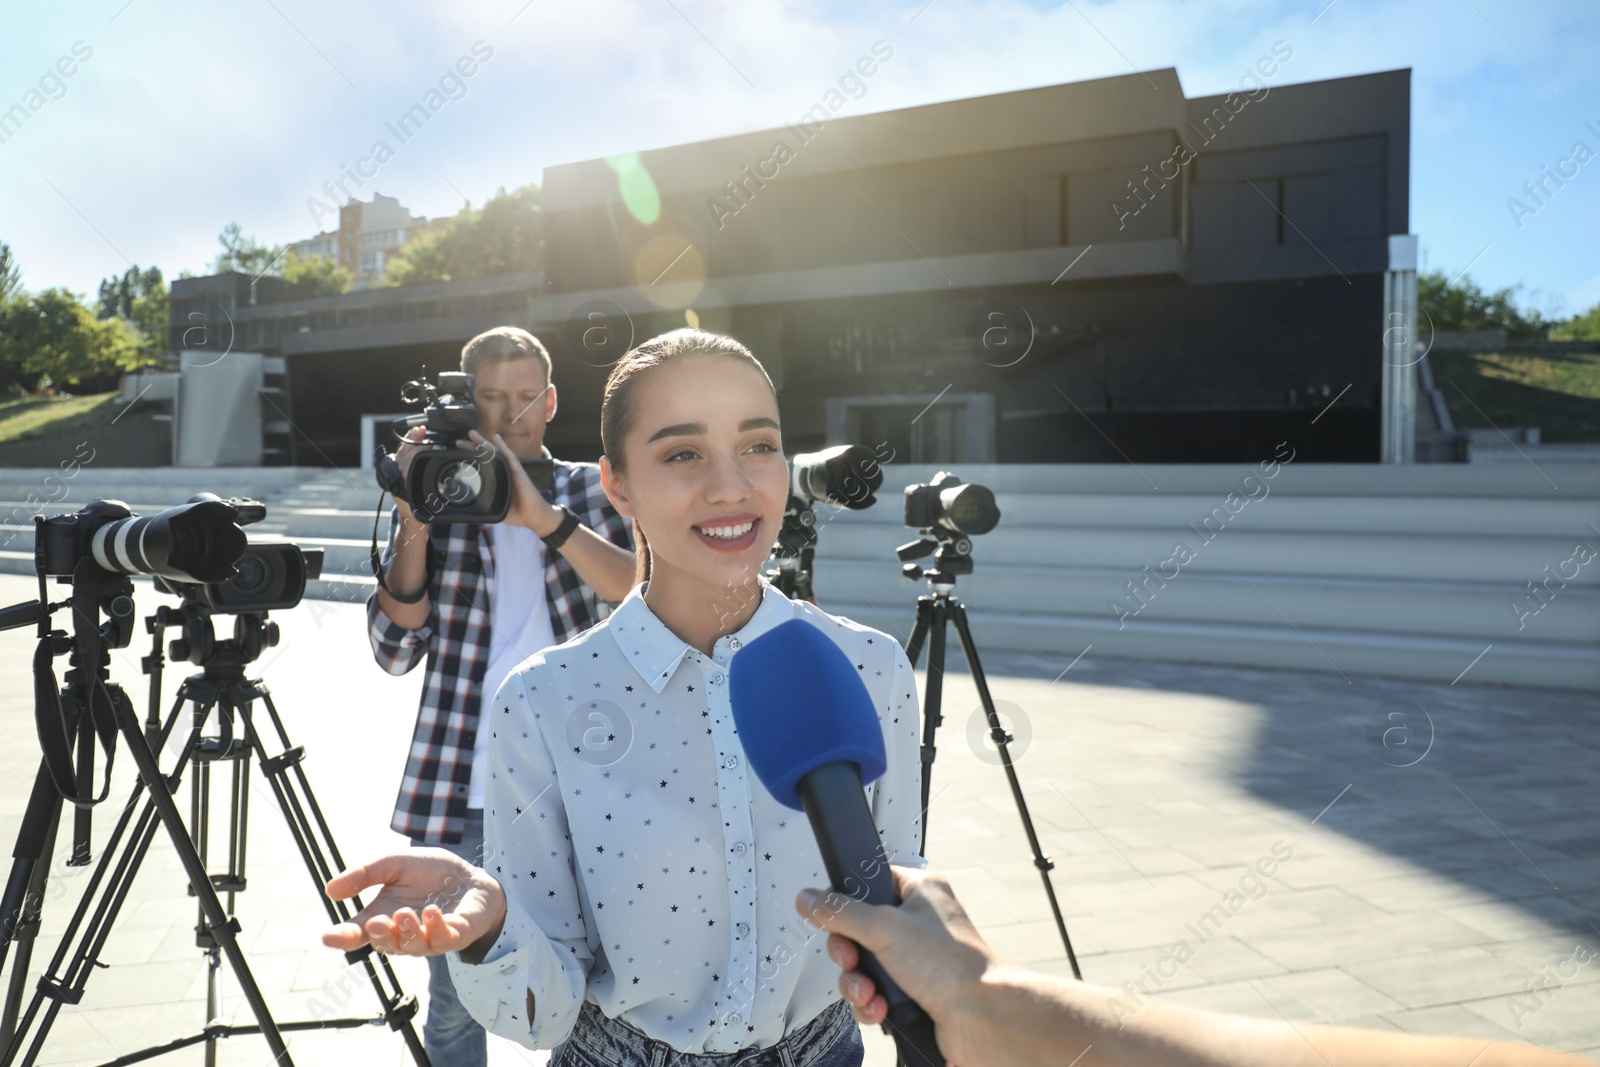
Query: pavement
{"type": "Point", "coordinates": [1402, 855]}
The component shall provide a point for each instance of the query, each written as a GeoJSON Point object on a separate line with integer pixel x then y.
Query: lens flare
{"type": "Point", "coordinates": [638, 189]}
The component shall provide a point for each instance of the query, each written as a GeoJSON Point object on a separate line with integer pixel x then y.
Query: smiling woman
{"type": "Point", "coordinates": [709, 489]}
{"type": "Point", "coordinates": [633, 902]}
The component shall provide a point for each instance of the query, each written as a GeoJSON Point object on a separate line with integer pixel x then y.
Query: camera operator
{"type": "Point", "coordinates": [477, 599]}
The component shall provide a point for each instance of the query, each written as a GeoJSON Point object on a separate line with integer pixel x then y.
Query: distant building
{"type": "Point", "coordinates": [1103, 271]}
{"type": "Point", "coordinates": [323, 244]}
{"type": "Point", "coordinates": [368, 235]}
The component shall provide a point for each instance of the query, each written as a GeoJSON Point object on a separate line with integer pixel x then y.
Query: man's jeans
{"type": "Point", "coordinates": [453, 1037]}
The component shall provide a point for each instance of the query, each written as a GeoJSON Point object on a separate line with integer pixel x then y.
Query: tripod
{"type": "Point", "coordinates": [222, 688]}
{"type": "Point", "coordinates": [794, 550]}
{"type": "Point", "coordinates": [952, 555]}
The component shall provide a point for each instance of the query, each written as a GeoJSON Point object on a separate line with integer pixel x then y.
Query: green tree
{"type": "Point", "coordinates": [505, 237]}
{"type": "Point", "coordinates": [52, 338]}
{"type": "Point", "coordinates": [139, 298]}
{"type": "Point", "coordinates": [1582, 327]}
{"type": "Point", "coordinates": [118, 294]}
{"type": "Point", "coordinates": [1462, 305]}
{"type": "Point", "coordinates": [317, 275]}
{"type": "Point", "coordinates": [245, 254]}
{"type": "Point", "coordinates": [10, 274]}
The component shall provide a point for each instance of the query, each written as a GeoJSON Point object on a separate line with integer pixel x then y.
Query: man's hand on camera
{"type": "Point", "coordinates": [528, 506]}
{"type": "Point", "coordinates": [410, 445]}
{"type": "Point", "coordinates": [430, 902]}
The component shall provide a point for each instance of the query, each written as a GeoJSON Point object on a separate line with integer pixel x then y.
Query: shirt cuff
{"type": "Point", "coordinates": [495, 991]}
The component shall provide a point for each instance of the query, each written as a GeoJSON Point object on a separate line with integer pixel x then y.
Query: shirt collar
{"type": "Point", "coordinates": [655, 651]}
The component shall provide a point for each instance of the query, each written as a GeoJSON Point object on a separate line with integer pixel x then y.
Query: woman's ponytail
{"type": "Point", "coordinates": [641, 555]}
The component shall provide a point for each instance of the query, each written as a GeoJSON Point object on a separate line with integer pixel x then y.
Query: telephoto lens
{"type": "Point", "coordinates": [195, 542]}
{"type": "Point", "coordinates": [846, 476]}
{"type": "Point", "coordinates": [198, 542]}
{"type": "Point", "coordinates": [947, 503]}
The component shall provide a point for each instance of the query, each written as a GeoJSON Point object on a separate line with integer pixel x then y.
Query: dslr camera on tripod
{"type": "Point", "coordinates": [199, 552]}
{"type": "Point", "coordinates": [447, 483]}
{"type": "Point", "coordinates": [949, 513]}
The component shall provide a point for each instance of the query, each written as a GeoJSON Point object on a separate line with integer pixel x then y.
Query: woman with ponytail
{"type": "Point", "coordinates": [635, 902]}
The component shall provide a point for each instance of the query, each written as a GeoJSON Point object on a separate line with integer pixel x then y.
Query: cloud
{"type": "Point", "coordinates": [189, 118]}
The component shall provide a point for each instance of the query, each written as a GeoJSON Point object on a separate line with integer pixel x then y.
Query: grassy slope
{"type": "Point", "coordinates": [1559, 393]}
{"type": "Point", "coordinates": [35, 416]}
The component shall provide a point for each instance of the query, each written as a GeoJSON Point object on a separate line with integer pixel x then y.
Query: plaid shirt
{"type": "Point", "coordinates": [432, 805]}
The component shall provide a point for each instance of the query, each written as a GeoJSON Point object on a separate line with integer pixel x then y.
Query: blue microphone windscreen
{"type": "Point", "coordinates": [799, 703]}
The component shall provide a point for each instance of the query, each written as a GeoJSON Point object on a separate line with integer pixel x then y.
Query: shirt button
{"type": "Point", "coordinates": [733, 643]}
{"type": "Point", "coordinates": [717, 678]}
{"type": "Point", "coordinates": [743, 929]}
{"type": "Point", "coordinates": [731, 762]}
{"type": "Point", "coordinates": [740, 849]}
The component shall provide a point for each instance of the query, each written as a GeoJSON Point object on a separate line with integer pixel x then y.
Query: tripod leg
{"type": "Point", "coordinates": [223, 927]}
{"type": "Point", "coordinates": [68, 987]}
{"type": "Point", "coordinates": [287, 776]}
{"type": "Point", "coordinates": [24, 896]}
{"type": "Point", "coordinates": [919, 631]}
{"type": "Point", "coordinates": [932, 617]}
{"type": "Point", "coordinates": [1001, 739]}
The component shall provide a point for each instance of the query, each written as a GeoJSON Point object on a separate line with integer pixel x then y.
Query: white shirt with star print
{"type": "Point", "coordinates": [646, 868]}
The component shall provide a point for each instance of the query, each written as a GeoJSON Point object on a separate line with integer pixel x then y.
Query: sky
{"type": "Point", "coordinates": [180, 117]}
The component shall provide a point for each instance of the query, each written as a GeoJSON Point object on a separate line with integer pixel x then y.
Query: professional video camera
{"type": "Point", "coordinates": [846, 476]}
{"type": "Point", "coordinates": [447, 483]}
{"type": "Point", "coordinates": [949, 513]}
{"type": "Point", "coordinates": [270, 576]}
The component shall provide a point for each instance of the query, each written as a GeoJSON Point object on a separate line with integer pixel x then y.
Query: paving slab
{"type": "Point", "coordinates": [1419, 897]}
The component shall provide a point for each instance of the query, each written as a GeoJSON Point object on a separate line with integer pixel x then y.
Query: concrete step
{"type": "Point", "coordinates": [1466, 610]}
{"type": "Point", "coordinates": [1448, 516]}
{"type": "Point", "coordinates": [312, 523]}
{"type": "Point", "coordinates": [1409, 572]}
{"type": "Point", "coordinates": [1494, 559]}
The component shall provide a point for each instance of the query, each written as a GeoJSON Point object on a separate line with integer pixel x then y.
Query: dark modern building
{"type": "Point", "coordinates": [1098, 271]}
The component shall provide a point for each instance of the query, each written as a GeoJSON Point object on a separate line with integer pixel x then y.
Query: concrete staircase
{"type": "Point", "coordinates": [1424, 572]}
{"type": "Point", "coordinates": [311, 506]}
{"type": "Point", "coordinates": [1399, 571]}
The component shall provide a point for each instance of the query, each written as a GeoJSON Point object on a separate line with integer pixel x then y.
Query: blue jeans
{"type": "Point", "coordinates": [832, 1039]}
{"type": "Point", "coordinates": [453, 1037]}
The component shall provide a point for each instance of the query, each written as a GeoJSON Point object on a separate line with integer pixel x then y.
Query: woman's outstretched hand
{"type": "Point", "coordinates": [429, 902]}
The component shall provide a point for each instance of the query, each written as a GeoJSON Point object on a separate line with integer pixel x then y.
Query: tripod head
{"type": "Point", "coordinates": [198, 643]}
{"type": "Point", "coordinates": [794, 550]}
{"type": "Point", "coordinates": [952, 557]}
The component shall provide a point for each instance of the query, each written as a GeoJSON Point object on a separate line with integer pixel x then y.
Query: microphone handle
{"type": "Point", "coordinates": [836, 804]}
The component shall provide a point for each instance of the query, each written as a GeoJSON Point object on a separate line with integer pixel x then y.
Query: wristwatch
{"type": "Point", "coordinates": [558, 537]}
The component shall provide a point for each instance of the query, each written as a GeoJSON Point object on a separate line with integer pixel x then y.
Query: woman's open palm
{"type": "Point", "coordinates": [429, 902]}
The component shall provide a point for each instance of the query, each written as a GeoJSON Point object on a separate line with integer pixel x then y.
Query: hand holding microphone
{"type": "Point", "coordinates": [811, 735]}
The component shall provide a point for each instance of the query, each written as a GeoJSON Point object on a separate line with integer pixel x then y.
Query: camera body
{"type": "Point", "coordinates": [451, 410]}
{"type": "Point", "coordinates": [271, 576]}
{"type": "Point", "coordinates": [447, 483]}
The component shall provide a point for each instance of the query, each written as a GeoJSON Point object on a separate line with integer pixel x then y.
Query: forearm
{"type": "Point", "coordinates": [604, 567]}
{"type": "Point", "coordinates": [475, 952]}
{"type": "Point", "coordinates": [407, 573]}
{"type": "Point", "coordinates": [1021, 1018]}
